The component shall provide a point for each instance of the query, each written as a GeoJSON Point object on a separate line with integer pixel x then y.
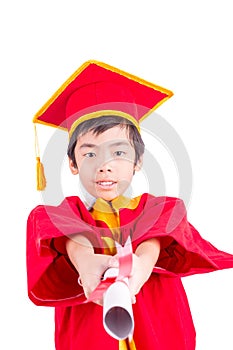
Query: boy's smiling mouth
{"type": "Point", "coordinates": [105, 183]}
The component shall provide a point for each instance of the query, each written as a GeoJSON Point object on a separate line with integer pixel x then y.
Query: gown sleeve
{"type": "Point", "coordinates": [183, 251]}
{"type": "Point", "coordinates": [52, 279]}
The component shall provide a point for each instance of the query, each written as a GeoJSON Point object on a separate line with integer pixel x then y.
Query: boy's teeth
{"type": "Point", "coordinates": [105, 183]}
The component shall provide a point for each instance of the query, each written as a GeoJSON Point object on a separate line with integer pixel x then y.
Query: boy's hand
{"type": "Point", "coordinates": [139, 275]}
{"type": "Point", "coordinates": [91, 271]}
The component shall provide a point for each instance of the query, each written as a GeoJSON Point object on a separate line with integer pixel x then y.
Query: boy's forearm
{"type": "Point", "coordinates": [78, 249]}
{"type": "Point", "coordinates": [144, 260]}
{"type": "Point", "coordinates": [148, 252]}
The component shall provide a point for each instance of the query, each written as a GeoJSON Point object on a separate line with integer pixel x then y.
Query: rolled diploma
{"type": "Point", "coordinates": [118, 317]}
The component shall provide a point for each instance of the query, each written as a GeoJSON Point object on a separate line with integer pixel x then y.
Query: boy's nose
{"type": "Point", "coordinates": [105, 167]}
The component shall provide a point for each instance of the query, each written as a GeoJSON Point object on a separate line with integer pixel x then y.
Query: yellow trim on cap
{"type": "Point", "coordinates": [154, 108]}
{"type": "Point", "coordinates": [99, 114]}
{"type": "Point", "coordinates": [108, 67]}
{"type": "Point", "coordinates": [132, 77]}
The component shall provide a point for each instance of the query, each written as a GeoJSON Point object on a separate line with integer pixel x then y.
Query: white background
{"type": "Point", "coordinates": [182, 45]}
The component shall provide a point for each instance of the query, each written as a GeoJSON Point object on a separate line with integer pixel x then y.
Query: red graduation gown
{"type": "Point", "coordinates": [162, 315]}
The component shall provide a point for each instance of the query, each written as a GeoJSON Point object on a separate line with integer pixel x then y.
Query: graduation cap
{"type": "Point", "coordinates": [94, 90]}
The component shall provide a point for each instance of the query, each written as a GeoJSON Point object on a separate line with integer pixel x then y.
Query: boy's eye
{"type": "Point", "coordinates": [89, 155]}
{"type": "Point", "coordinates": [119, 153]}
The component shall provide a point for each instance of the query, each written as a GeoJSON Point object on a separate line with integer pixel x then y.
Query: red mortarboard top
{"type": "Point", "coordinates": [97, 89]}
{"type": "Point", "coordinates": [94, 90]}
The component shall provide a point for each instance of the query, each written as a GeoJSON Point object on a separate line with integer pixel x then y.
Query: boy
{"type": "Point", "coordinates": [101, 107]}
{"type": "Point", "coordinates": [105, 152]}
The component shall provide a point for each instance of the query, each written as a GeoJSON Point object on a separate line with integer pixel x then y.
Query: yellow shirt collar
{"type": "Point", "coordinates": [116, 204]}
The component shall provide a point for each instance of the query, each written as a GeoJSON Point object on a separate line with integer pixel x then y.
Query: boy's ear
{"type": "Point", "coordinates": [138, 166]}
{"type": "Point", "coordinates": [73, 168]}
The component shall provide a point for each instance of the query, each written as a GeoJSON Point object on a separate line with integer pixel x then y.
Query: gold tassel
{"type": "Point", "coordinates": [40, 176]}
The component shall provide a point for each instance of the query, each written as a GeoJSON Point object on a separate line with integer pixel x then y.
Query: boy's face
{"type": "Point", "coordinates": [105, 162]}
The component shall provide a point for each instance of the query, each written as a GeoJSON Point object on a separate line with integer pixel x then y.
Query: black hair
{"type": "Point", "coordinates": [102, 124]}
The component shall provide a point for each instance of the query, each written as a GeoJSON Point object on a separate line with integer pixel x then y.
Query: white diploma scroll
{"type": "Point", "coordinates": [118, 317]}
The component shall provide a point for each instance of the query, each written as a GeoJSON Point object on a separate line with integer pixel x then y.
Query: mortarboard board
{"type": "Point", "coordinates": [94, 90]}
